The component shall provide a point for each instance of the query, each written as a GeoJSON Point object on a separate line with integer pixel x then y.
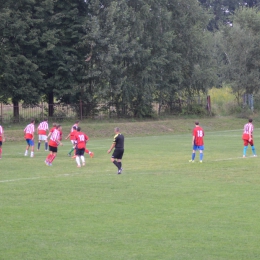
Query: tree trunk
{"type": "Point", "coordinates": [51, 104]}
{"type": "Point", "coordinates": [15, 110]}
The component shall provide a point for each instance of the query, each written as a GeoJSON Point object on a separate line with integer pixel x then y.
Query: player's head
{"type": "Point", "coordinates": [58, 127]}
{"type": "Point", "coordinates": [250, 120]}
{"type": "Point", "coordinates": [197, 123]}
{"type": "Point", "coordinates": [77, 122]}
{"type": "Point", "coordinates": [54, 124]}
{"type": "Point", "coordinates": [32, 121]}
{"type": "Point", "coordinates": [78, 129]}
{"type": "Point", "coordinates": [74, 127]}
{"type": "Point", "coordinates": [117, 130]}
{"type": "Point", "coordinates": [45, 119]}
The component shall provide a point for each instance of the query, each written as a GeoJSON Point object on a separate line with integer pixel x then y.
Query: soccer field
{"type": "Point", "coordinates": [160, 207]}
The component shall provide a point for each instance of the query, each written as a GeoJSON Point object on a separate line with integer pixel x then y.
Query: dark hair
{"type": "Point", "coordinates": [117, 129]}
{"type": "Point", "coordinates": [76, 122]}
{"type": "Point", "coordinates": [33, 120]}
{"type": "Point", "coordinates": [78, 129]}
{"type": "Point", "coordinates": [74, 127]}
{"type": "Point", "coordinates": [250, 120]}
{"type": "Point", "coordinates": [197, 123]}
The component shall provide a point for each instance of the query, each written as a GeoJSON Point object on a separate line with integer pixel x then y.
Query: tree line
{"type": "Point", "coordinates": [128, 54]}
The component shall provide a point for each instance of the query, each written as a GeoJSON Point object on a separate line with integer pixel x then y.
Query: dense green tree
{"type": "Point", "coordinates": [21, 79]}
{"type": "Point", "coordinates": [240, 52]}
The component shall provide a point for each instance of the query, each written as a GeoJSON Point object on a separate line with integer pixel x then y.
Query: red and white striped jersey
{"type": "Point", "coordinates": [55, 138]}
{"type": "Point", "coordinates": [248, 128]}
{"type": "Point", "coordinates": [29, 130]}
{"type": "Point", "coordinates": [43, 127]}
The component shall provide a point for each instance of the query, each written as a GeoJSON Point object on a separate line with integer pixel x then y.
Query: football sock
{"type": "Point", "coordinates": [245, 148]}
{"type": "Point", "coordinates": [26, 152]}
{"type": "Point", "coordinates": [120, 165]}
{"type": "Point", "coordinates": [46, 146]}
{"type": "Point", "coordinates": [253, 149]}
{"type": "Point", "coordinates": [53, 156]}
{"type": "Point", "coordinates": [32, 154]}
{"type": "Point", "coordinates": [86, 151]}
{"type": "Point", "coordinates": [193, 156]}
{"type": "Point", "coordinates": [201, 156]}
{"type": "Point", "coordinates": [78, 160]}
{"type": "Point", "coordinates": [116, 164]}
{"type": "Point", "coordinates": [39, 144]}
{"type": "Point", "coordinates": [71, 150]}
{"type": "Point", "coordinates": [82, 158]}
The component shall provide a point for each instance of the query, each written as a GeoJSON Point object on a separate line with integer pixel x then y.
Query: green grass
{"type": "Point", "coordinates": [161, 207]}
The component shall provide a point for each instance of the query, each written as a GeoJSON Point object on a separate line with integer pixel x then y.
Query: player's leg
{"type": "Point", "coordinates": [77, 156]}
{"type": "Point", "coordinates": [46, 144]}
{"type": "Point", "coordinates": [32, 148]}
{"type": "Point", "coordinates": [245, 147]}
{"type": "Point", "coordinates": [82, 157]}
{"type": "Point", "coordinates": [72, 149]}
{"type": "Point", "coordinates": [193, 155]}
{"type": "Point", "coordinates": [27, 147]}
{"type": "Point", "coordinates": [39, 143]}
{"type": "Point", "coordinates": [253, 148]}
{"type": "Point", "coordinates": [91, 154]}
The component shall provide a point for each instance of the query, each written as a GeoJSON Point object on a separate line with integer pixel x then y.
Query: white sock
{"type": "Point", "coordinates": [82, 158]}
{"type": "Point", "coordinates": [78, 160]}
{"type": "Point", "coordinates": [26, 153]}
{"type": "Point", "coordinates": [32, 153]}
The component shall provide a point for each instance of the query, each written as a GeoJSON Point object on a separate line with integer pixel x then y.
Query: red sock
{"type": "Point", "coordinates": [52, 158]}
{"type": "Point", "coordinates": [48, 158]}
{"type": "Point", "coordinates": [86, 150]}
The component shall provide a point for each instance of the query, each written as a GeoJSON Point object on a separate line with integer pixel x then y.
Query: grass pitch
{"type": "Point", "coordinates": [161, 207]}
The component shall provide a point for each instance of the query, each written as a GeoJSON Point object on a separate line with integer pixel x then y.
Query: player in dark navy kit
{"type": "Point", "coordinates": [118, 144]}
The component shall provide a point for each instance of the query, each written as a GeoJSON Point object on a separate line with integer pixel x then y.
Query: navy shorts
{"type": "Point", "coordinates": [118, 153]}
{"type": "Point", "coordinates": [53, 149]}
{"type": "Point", "coordinates": [80, 152]}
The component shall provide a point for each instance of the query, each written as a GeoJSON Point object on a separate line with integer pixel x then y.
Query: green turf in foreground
{"type": "Point", "coordinates": [161, 207]}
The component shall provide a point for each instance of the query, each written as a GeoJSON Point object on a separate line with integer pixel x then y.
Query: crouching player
{"type": "Point", "coordinates": [53, 145]}
{"type": "Point", "coordinates": [80, 140]}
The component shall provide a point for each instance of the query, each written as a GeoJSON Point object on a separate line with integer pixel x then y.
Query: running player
{"type": "Point", "coordinates": [80, 140]}
{"type": "Point", "coordinates": [42, 134]}
{"type": "Point", "coordinates": [29, 137]}
{"type": "Point", "coordinates": [248, 137]}
{"type": "Point", "coordinates": [53, 145]}
{"type": "Point", "coordinates": [197, 142]}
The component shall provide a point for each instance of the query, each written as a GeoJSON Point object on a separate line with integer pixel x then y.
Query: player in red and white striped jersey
{"type": "Point", "coordinates": [29, 137]}
{"type": "Point", "coordinates": [248, 137]}
{"type": "Point", "coordinates": [53, 145]}
{"type": "Point", "coordinates": [42, 133]}
{"type": "Point", "coordinates": [2, 139]}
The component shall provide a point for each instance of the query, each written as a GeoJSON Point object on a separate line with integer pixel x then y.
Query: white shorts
{"type": "Point", "coordinates": [42, 137]}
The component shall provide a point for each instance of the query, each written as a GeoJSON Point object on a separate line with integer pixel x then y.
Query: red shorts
{"type": "Point", "coordinates": [246, 142]}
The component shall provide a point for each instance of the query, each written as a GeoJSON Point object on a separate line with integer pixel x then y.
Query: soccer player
{"type": "Point", "coordinates": [2, 139]}
{"type": "Point", "coordinates": [29, 137]}
{"type": "Point", "coordinates": [197, 142]}
{"type": "Point", "coordinates": [248, 137]}
{"type": "Point", "coordinates": [71, 135]}
{"type": "Point", "coordinates": [42, 134]}
{"type": "Point", "coordinates": [80, 140]}
{"type": "Point", "coordinates": [53, 145]}
{"type": "Point", "coordinates": [118, 144]}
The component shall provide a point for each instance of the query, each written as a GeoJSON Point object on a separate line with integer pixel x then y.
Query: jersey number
{"type": "Point", "coordinates": [200, 133]}
{"type": "Point", "coordinates": [81, 138]}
